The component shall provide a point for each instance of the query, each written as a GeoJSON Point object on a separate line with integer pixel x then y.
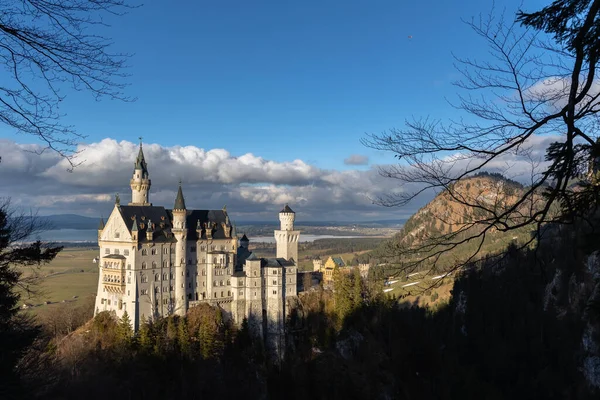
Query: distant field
{"type": "Point", "coordinates": [71, 273]}
{"type": "Point", "coordinates": [417, 290]}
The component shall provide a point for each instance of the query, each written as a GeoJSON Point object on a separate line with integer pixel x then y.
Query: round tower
{"type": "Point", "coordinates": [140, 182]}
{"type": "Point", "coordinates": [287, 218]}
{"type": "Point", "coordinates": [180, 232]}
{"type": "Point", "coordinates": [287, 237]}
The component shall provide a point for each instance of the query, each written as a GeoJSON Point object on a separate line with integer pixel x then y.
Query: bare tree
{"type": "Point", "coordinates": [540, 79]}
{"type": "Point", "coordinates": [47, 45]}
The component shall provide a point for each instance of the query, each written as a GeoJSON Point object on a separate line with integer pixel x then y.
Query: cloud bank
{"type": "Point", "coordinates": [252, 187]}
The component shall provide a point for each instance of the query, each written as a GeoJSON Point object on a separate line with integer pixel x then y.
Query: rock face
{"type": "Point", "coordinates": [590, 340]}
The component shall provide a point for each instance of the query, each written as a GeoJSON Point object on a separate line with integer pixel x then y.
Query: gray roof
{"type": "Point", "coordinates": [138, 217]}
{"type": "Point", "coordinates": [276, 262]}
{"type": "Point", "coordinates": [179, 201]}
{"type": "Point", "coordinates": [140, 163]}
{"type": "Point", "coordinates": [244, 238]}
{"type": "Point", "coordinates": [287, 209]}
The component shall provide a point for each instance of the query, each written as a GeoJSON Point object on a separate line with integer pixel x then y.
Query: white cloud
{"type": "Point", "coordinates": [356, 159]}
{"type": "Point", "coordinates": [251, 187]}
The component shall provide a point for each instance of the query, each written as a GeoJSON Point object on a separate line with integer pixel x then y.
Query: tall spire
{"type": "Point", "coordinates": [179, 201]}
{"type": "Point", "coordinates": [140, 162]}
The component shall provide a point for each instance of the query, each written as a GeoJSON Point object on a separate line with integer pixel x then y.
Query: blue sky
{"type": "Point", "coordinates": [282, 80]}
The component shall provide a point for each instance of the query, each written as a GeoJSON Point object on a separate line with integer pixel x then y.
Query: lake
{"type": "Point", "coordinates": [91, 235]}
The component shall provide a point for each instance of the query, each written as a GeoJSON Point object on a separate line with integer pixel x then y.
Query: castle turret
{"type": "Point", "coordinates": [180, 232]}
{"type": "Point", "coordinates": [287, 237]}
{"type": "Point", "coordinates": [140, 182]}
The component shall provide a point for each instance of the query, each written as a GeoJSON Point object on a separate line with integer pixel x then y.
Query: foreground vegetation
{"type": "Point", "coordinates": [501, 335]}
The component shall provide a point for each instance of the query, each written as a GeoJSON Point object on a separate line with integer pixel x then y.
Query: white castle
{"type": "Point", "coordinates": [157, 262]}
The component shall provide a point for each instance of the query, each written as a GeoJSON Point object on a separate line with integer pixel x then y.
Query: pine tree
{"type": "Point", "coordinates": [124, 330]}
{"type": "Point", "coordinates": [144, 337]}
{"type": "Point", "coordinates": [183, 338]}
{"type": "Point", "coordinates": [357, 289]}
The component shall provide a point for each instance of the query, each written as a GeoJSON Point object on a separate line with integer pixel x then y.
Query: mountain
{"type": "Point", "coordinates": [69, 221]}
{"type": "Point", "coordinates": [445, 215]}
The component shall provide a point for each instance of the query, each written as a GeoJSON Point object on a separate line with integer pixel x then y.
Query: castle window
{"type": "Point", "coordinates": [203, 284]}
{"type": "Point", "coordinates": [157, 277]}
{"type": "Point", "coordinates": [241, 292]}
{"type": "Point", "coordinates": [171, 275]}
{"type": "Point", "coordinates": [144, 278]}
{"type": "Point", "coordinates": [166, 250]}
{"type": "Point", "coordinates": [274, 272]}
{"type": "Point", "coordinates": [143, 264]}
{"type": "Point", "coordinates": [228, 282]}
{"type": "Point", "coordinates": [117, 235]}
{"type": "Point", "coordinates": [187, 273]}
{"type": "Point", "coordinates": [221, 283]}
{"type": "Point", "coordinates": [193, 249]}
{"type": "Point", "coordinates": [157, 289]}
{"type": "Point", "coordinates": [228, 293]}
{"type": "Point", "coordinates": [106, 251]}
{"type": "Point", "coordinates": [203, 295]}
{"type": "Point", "coordinates": [153, 264]}
{"type": "Point", "coordinates": [274, 282]}
{"type": "Point", "coordinates": [274, 291]}
{"type": "Point", "coordinates": [144, 252]}
{"type": "Point", "coordinates": [129, 279]}
{"type": "Point", "coordinates": [221, 293]}
{"type": "Point", "coordinates": [126, 252]}
{"type": "Point", "coordinates": [189, 296]}
{"type": "Point", "coordinates": [171, 288]}
{"type": "Point", "coordinates": [164, 263]}
{"type": "Point", "coordinates": [165, 276]}
{"type": "Point", "coordinates": [203, 272]}
{"type": "Point", "coordinates": [153, 251]}
{"type": "Point", "coordinates": [165, 289]}
{"type": "Point", "coordinates": [215, 295]}
{"type": "Point", "coordinates": [214, 283]}
{"type": "Point", "coordinates": [109, 302]}
{"type": "Point", "coordinates": [144, 291]}
{"type": "Point", "coordinates": [189, 285]}
{"type": "Point", "coordinates": [117, 251]}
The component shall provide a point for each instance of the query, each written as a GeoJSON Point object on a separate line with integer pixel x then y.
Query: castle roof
{"type": "Point", "coordinates": [140, 162]}
{"type": "Point", "coordinates": [244, 238]}
{"type": "Point", "coordinates": [287, 209]}
{"type": "Point", "coordinates": [338, 261]}
{"type": "Point", "coordinates": [179, 200]}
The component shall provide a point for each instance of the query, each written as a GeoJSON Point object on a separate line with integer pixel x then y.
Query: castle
{"type": "Point", "coordinates": [155, 262]}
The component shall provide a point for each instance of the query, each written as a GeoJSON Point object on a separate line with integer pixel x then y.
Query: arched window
{"type": "Point", "coordinates": [153, 264]}
{"type": "Point", "coordinates": [165, 276]}
{"type": "Point", "coordinates": [228, 282]}
{"type": "Point", "coordinates": [164, 263]}
{"type": "Point", "coordinates": [221, 283]}
{"type": "Point", "coordinates": [144, 265]}
{"type": "Point", "coordinates": [144, 278]}
{"type": "Point", "coordinates": [157, 277]}
{"type": "Point", "coordinates": [144, 252]}
{"type": "Point", "coordinates": [157, 289]}
{"type": "Point", "coordinates": [117, 251]}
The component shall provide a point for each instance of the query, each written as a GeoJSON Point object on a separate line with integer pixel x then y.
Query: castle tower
{"type": "Point", "coordinates": [180, 232]}
{"type": "Point", "coordinates": [287, 237]}
{"type": "Point", "coordinates": [140, 182]}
